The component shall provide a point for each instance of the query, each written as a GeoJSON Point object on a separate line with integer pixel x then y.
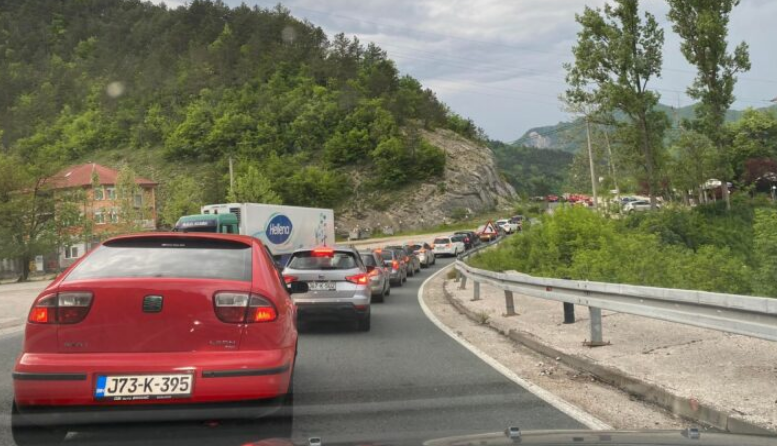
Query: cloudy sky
{"type": "Point", "coordinates": [499, 62]}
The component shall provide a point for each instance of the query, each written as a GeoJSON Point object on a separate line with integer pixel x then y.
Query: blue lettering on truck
{"type": "Point", "coordinates": [278, 229]}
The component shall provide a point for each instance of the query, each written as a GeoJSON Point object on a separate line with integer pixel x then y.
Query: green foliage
{"type": "Point", "coordinates": [253, 187]}
{"type": "Point", "coordinates": [617, 54]}
{"type": "Point", "coordinates": [675, 249]}
{"type": "Point", "coordinates": [532, 171]}
{"type": "Point", "coordinates": [197, 84]}
{"type": "Point", "coordinates": [765, 229]}
{"type": "Point", "coordinates": [180, 195]}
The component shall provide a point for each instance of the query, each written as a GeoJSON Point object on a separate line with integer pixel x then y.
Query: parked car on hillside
{"type": "Point", "coordinates": [424, 252]}
{"type": "Point", "coordinates": [394, 259]}
{"type": "Point", "coordinates": [338, 284]}
{"type": "Point", "coordinates": [411, 258]}
{"type": "Point", "coordinates": [144, 311]}
{"type": "Point", "coordinates": [378, 273]}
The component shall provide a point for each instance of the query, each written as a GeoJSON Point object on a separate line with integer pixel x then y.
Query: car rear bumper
{"type": "Point", "coordinates": [395, 274]}
{"type": "Point", "coordinates": [329, 311]}
{"type": "Point", "coordinates": [445, 251]}
{"type": "Point", "coordinates": [69, 380]}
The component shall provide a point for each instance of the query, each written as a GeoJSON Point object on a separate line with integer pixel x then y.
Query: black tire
{"type": "Point", "coordinates": [379, 297]}
{"type": "Point", "coordinates": [363, 323]}
{"type": "Point", "coordinates": [411, 273]}
{"type": "Point", "coordinates": [388, 290]}
{"type": "Point", "coordinates": [25, 433]}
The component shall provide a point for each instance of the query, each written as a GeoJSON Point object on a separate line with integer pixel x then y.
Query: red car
{"type": "Point", "coordinates": [156, 326]}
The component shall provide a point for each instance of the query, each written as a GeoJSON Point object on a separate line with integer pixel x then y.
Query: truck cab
{"type": "Point", "coordinates": [219, 223]}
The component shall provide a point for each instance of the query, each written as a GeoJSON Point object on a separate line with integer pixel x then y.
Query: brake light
{"type": "Point", "coordinates": [67, 307]}
{"type": "Point", "coordinates": [323, 252]}
{"type": "Point", "coordinates": [374, 272]}
{"type": "Point", "coordinates": [239, 308]}
{"type": "Point", "coordinates": [447, 245]}
{"type": "Point", "coordinates": [289, 279]}
{"type": "Point", "coordinates": [358, 279]}
{"type": "Point", "coordinates": [394, 264]}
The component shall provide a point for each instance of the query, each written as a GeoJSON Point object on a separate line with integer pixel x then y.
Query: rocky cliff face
{"type": "Point", "coordinates": [471, 183]}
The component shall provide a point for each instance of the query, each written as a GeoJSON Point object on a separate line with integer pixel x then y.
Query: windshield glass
{"type": "Point", "coordinates": [401, 222]}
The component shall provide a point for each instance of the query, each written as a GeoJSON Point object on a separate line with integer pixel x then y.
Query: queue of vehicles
{"type": "Point", "coordinates": [202, 322]}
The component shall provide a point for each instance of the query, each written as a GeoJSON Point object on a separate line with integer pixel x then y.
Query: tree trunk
{"type": "Point", "coordinates": [25, 273]}
{"type": "Point", "coordinates": [726, 194]}
{"type": "Point", "coordinates": [648, 153]}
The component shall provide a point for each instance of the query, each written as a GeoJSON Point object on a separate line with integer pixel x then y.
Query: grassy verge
{"type": "Point", "coordinates": [704, 248]}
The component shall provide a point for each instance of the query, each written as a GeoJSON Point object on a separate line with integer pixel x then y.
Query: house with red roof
{"type": "Point", "coordinates": [101, 206]}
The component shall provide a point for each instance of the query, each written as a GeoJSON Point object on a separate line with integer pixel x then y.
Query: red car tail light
{"type": "Point", "coordinates": [67, 307]}
{"type": "Point", "coordinates": [239, 308]}
{"type": "Point", "coordinates": [261, 310]}
{"type": "Point", "coordinates": [358, 279]}
{"type": "Point", "coordinates": [374, 272]}
{"type": "Point", "coordinates": [73, 306]}
{"type": "Point", "coordinates": [289, 279]}
{"type": "Point", "coordinates": [394, 264]}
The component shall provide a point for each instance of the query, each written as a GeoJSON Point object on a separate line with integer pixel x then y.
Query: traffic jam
{"type": "Point", "coordinates": [203, 321]}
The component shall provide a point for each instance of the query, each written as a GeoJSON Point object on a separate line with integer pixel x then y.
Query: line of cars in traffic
{"type": "Point", "coordinates": [192, 326]}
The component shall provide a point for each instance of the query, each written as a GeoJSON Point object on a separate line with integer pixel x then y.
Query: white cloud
{"type": "Point", "coordinates": [500, 62]}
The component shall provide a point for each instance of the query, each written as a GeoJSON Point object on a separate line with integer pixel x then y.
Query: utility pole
{"type": "Point", "coordinates": [591, 163]}
{"type": "Point", "coordinates": [613, 170]}
{"type": "Point", "coordinates": [231, 177]}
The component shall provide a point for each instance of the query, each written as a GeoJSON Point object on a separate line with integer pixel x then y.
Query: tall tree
{"type": "Point", "coordinates": [703, 26]}
{"type": "Point", "coordinates": [616, 56]}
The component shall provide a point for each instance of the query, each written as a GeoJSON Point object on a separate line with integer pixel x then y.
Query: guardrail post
{"type": "Point", "coordinates": [463, 283]}
{"type": "Point", "coordinates": [509, 303]}
{"type": "Point", "coordinates": [569, 313]}
{"type": "Point", "coordinates": [475, 290]}
{"type": "Point", "coordinates": [596, 328]}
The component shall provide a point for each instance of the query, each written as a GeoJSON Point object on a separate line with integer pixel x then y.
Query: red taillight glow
{"type": "Point", "coordinates": [374, 272]}
{"type": "Point", "coordinates": [67, 307]}
{"type": "Point", "coordinates": [289, 279]}
{"type": "Point", "coordinates": [394, 264]}
{"type": "Point", "coordinates": [359, 279]}
{"type": "Point", "coordinates": [323, 252]}
{"type": "Point", "coordinates": [239, 308]}
{"type": "Point", "coordinates": [39, 315]}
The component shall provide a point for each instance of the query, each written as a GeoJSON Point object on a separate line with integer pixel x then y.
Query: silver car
{"type": "Point", "coordinates": [424, 252]}
{"type": "Point", "coordinates": [638, 206]}
{"type": "Point", "coordinates": [394, 259]}
{"type": "Point", "coordinates": [411, 258]}
{"type": "Point", "coordinates": [379, 275]}
{"type": "Point", "coordinates": [338, 285]}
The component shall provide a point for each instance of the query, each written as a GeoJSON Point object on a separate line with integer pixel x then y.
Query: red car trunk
{"type": "Point", "coordinates": [150, 315]}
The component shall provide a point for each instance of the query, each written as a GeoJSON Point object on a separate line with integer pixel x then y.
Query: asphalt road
{"type": "Point", "coordinates": [403, 379]}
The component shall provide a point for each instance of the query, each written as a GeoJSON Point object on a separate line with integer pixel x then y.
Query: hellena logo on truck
{"type": "Point", "coordinates": [278, 229]}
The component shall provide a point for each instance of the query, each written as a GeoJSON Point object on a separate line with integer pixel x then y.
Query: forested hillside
{"type": "Point", "coordinates": [176, 92]}
{"type": "Point", "coordinates": [532, 171]}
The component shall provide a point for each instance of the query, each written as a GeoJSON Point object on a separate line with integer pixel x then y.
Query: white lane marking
{"type": "Point", "coordinates": [564, 406]}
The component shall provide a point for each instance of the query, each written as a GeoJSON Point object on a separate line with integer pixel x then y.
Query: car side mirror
{"type": "Point", "coordinates": [297, 287]}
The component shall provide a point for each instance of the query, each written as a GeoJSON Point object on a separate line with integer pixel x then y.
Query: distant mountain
{"type": "Point", "coordinates": [570, 136]}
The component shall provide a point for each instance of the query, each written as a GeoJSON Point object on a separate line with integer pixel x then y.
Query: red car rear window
{"type": "Point", "coordinates": [174, 257]}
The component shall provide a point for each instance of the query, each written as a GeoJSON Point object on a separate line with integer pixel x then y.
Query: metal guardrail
{"type": "Point", "coordinates": [745, 315]}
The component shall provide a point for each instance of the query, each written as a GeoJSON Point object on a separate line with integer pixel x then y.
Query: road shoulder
{"type": "Point", "coordinates": [605, 405]}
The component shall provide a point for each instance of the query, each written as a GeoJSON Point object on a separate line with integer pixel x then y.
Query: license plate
{"type": "Point", "coordinates": [143, 387]}
{"type": "Point", "coordinates": [321, 286]}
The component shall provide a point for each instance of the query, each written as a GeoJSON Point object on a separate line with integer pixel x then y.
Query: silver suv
{"type": "Point", "coordinates": [338, 285]}
{"type": "Point", "coordinates": [379, 275]}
